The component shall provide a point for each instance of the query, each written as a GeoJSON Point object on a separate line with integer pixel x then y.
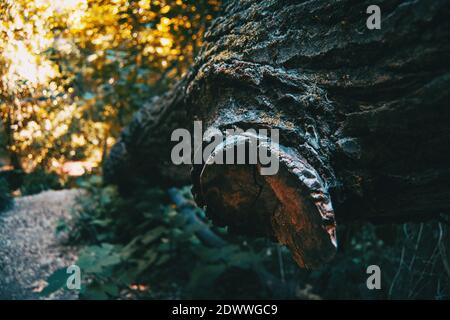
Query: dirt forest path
{"type": "Point", "coordinates": [30, 249]}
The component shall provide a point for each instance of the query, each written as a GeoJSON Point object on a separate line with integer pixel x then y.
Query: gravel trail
{"type": "Point", "coordinates": [30, 249]}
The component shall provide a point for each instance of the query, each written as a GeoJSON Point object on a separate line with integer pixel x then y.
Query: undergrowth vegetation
{"type": "Point", "coordinates": [151, 245]}
{"type": "Point", "coordinates": [5, 197]}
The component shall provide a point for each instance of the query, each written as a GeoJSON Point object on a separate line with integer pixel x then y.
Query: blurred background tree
{"type": "Point", "coordinates": [73, 72]}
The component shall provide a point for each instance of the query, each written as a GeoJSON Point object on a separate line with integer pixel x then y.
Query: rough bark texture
{"type": "Point", "coordinates": [363, 117]}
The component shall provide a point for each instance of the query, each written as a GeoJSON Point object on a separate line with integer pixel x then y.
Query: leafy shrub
{"type": "Point", "coordinates": [38, 181]}
{"type": "Point", "coordinates": [148, 242]}
{"type": "Point", "coordinates": [5, 196]}
{"type": "Point", "coordinates": [145, 246]}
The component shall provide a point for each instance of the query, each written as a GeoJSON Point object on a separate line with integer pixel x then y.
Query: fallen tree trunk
{"type": "Point", "coordinates": [363, 118]}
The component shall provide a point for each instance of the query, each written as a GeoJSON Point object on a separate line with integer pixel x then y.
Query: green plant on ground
{"type": "Point", "coordinates": [147, 247]}
{"type": "Point", "coordinates": [5, 196]}
{"type": "Point", "coordinates": [38, 181]}
{"type": "Point", "coordinates": [152, 245]}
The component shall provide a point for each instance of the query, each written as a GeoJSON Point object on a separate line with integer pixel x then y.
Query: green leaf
{"type": "Point", "coordinates": [163, 259]}
{"type": "Point", "coordinates": [94, 259]}
{"type": "Point", "coordinates": [153, 235]}
{"type": "Point", "coordinates": [94, 293]}
{"type": "Point", "coordinates": [56, 281]}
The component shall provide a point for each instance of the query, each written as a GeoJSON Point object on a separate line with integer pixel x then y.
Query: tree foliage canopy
{"type": "Point", "coordinates": [73, 72]}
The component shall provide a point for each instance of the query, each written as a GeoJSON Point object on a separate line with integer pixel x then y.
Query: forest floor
{"type": "Point", "coordinates": [30, 248]}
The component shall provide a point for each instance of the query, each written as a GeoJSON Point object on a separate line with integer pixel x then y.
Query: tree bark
{"type": "Point", "coordinates": [363, 118]}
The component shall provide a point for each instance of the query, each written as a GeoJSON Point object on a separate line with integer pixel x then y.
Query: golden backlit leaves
{"type": "Point", "coordinates": [72, 72]}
